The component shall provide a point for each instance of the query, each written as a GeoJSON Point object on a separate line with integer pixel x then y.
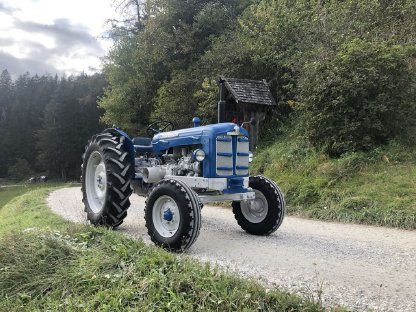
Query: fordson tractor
{"type": "Point", "coordinates": [177, 171]}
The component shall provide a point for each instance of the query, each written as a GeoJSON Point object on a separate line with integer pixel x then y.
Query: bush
{"type": "Point", "coordinates": [359, 98]}
{"type": "Point", "coordinates": [20, 170]}
{"type": "Point", "coordinates": [175, 101]}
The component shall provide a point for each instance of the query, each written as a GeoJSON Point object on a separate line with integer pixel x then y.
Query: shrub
{"type": "Point", "coordinates": [360, 97]}
{"type": "Point", "coordinates": [20, 170]}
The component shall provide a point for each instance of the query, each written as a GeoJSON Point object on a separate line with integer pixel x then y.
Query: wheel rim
{"type": "Point", "coordinates": [96, 182]}
{"type": "Point", "coordinates": [166, 216]}
{"type": "Point", "coordinates": [255, 210]}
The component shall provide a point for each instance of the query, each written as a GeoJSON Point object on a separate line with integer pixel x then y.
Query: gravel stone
{"type": "Point", "coordinates": [356, 266]}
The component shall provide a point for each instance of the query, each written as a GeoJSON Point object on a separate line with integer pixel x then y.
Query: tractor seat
{"type": "Point", "coordinates": [143, 145]}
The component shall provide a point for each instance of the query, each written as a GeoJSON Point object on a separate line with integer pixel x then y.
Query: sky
{"type": "Point", "coordinates": [53, 36]}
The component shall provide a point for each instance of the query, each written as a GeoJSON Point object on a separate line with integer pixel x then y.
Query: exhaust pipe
{"type": "Point", "coordinates": [222, 102]}
{"type": "Point", "coordinates": [153, 174]}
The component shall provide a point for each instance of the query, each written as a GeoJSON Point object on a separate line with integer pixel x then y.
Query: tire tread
{"type": "Point", "coordinates": [118, 180]}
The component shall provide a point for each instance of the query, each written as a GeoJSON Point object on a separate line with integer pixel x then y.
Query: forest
{"type": "Point", "coordinates": [45, 122]}
{"type": "Point", "coordinates": [342, 72]}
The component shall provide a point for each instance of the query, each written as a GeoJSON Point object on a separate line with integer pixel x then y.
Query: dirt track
{"type": "Point", "coordinates": [360, 267]}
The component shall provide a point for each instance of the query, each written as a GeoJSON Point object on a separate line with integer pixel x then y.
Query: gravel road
{"type": "Point", "coordinates": [360, 267]}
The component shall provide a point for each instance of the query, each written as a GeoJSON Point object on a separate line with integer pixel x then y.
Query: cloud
{"type": "Point", "coordinates": [66, 35]}
{"type": "Point", "coordinates": [32, 52]}
{"type": "Point", "coordinates": [6, 41]}
{"type": "Point", "coordinates": [16, 66]}
{"type": "Point", "coordinates": [52, 36]}
{"type": "Point", "coordinates": [7, 9]}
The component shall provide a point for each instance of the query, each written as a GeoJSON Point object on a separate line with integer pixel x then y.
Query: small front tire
{"type": "Point", "coordinates": [173, 215]}
{"type": "Point", "coordinates": [263, 215]}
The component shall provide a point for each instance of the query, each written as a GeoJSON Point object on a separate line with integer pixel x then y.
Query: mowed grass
{"type": "Point", "coordinates": [377, 187]}
{"type": "Point", "coordinates": [10, 191]}
{"type": "Point", "coordinates": [7, 193]}
{"type": "Point", "coordinates": [48, 264]}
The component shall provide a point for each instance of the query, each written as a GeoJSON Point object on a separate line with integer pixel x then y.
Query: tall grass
{"type": "Point", "coordinates": [47, 264]}
{"type": "Point", "coordinates": [376, 187]}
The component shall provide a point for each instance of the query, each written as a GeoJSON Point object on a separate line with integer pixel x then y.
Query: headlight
{"type": "Point", "coordinates": [199, 155]}
{"type": "Point", "coordinates": [250, 157]}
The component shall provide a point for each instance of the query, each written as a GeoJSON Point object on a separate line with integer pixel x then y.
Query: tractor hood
{"type": "Point", "coordinates": [192, 136]}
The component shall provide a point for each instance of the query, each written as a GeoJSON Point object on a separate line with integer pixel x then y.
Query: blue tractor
{"type": "Point", "coordinates": [177, 171]}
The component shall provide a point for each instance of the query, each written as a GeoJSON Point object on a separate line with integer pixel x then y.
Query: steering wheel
{"type": "Point", "coordinates": [159, 126]}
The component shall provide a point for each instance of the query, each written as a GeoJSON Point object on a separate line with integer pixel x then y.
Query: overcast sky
{"type": "Point", "coordinates": [53, 36]}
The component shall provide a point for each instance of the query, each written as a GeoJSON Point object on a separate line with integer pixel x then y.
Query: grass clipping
{"type": "Point", "coordinates": [55, 265]}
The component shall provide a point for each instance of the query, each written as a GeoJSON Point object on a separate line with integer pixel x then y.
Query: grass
{"type": "Point", "coordinates": [377, 188]}
{"type": "Point", "coordinates": [48, 264]}
{"type": "Point", "coordinates": [8, 193]}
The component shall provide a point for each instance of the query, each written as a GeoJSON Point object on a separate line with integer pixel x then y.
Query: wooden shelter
{"type": "Point", "coordinates": [243, 99]}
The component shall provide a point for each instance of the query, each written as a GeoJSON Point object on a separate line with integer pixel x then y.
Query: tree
{"type": "Point", "coordinates": [142, 69]}
{"type": "Point", "coordinates": [20, 170]}
{"type": "Point", "coordinates": [169, 68]}
{"type": "Point", "coordinates": [131, 14]}
{"type": "Point", "coordinates": [28, 96]}
{"type": "Point", "coordinates": [70, 119]}
{"type": "Point", "coordinates": [6, 95]}
{"type": "Point", "coordinates": [359, 99]}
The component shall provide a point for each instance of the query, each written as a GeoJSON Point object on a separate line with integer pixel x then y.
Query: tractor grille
{"type": "Point", "coordinates": [241, 162]}
{"type": "Point", "coordinates": [230, 161]}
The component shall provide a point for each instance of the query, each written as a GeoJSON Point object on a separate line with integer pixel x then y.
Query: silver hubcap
{"type": "Point", "coordinates": [96, 182]}
{"type": "Point", "coordinates": [255, 210]}
{"type": "Point", "coordinates": [166, 216]}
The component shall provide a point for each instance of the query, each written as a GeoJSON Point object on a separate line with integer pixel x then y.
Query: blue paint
{"type": "Point", "coordinates": [225, 154]}
{"type": "Point", "coordinates": [241, 167]}
{"type": "Point", "coordinates": [196, 121]}
{"type": "Point", "coordinates": [168, 215]}
{"type": "Point", "coordinates": [235, 185]}
{"type": "Point", "coordinates": [206, 137]}
{"type": "Point", "coordinates": [225, 168]}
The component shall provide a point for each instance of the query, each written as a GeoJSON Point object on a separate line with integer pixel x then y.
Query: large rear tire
{"type": "Point", "coordinates": [173, 215]}
{"type": "Point", "coordinates": [106, 175]}
{"type": "Point", "coordinates": [265, 214]}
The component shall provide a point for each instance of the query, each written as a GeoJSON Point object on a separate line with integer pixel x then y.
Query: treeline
{"type": "Point", "coordinates": [345, 70]}
{"type": "Point", "coordinates": [45, 123]}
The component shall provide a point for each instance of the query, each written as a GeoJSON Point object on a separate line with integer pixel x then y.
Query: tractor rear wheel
{"type": "Point", "coordinates": [173, 215]}
{"type": "Point", "coordinates": [264, 214]}
{"type": "Point", "coordinates": [106, 175]}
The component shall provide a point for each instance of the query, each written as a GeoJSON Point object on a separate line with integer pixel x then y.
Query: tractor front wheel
{"type": "Point", "coordinates": [173, 215]}
{"type": "Point", "coordinates": [106, 175]}
{"type": "Point", "coordinates": [264, 214]}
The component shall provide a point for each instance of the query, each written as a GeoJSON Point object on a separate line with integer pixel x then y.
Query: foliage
{"type": "Point", "coordinates": [70, 119]}
{"type": "Point", "coordinates": [157, 68]}
{"type": "Point", "coordinates": [20, 170]}
{"type": "Point", "coordinates": [22, 103]}
{"type": "Point", "coordinates": [168, 69]}
{"type": "Point", "coordinates": [45, 121]}
{"type": "Point", "coordinates": [360, 98]}
{"type": "Point", "coordinates": [170, 105]}
{"type": "Point", "coordinates": [48, 264]}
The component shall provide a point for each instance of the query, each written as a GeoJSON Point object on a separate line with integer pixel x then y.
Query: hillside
{"type": "Point", "coordinates": [376, 187]}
